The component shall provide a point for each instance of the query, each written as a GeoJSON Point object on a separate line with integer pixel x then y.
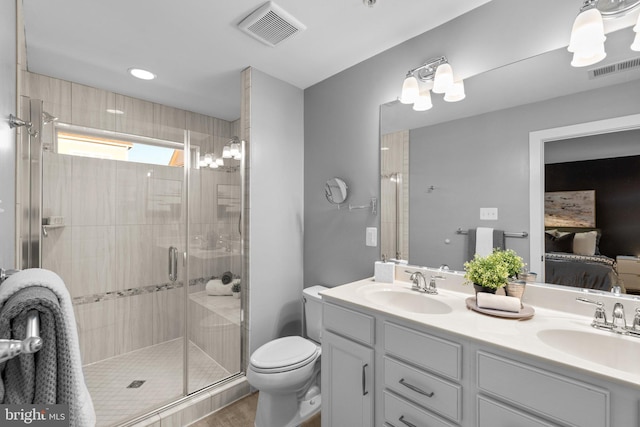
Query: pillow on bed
{"type": "Point", "coordinates": [585, 243]}
{"type": "Point", "coordinates": [562, 243]}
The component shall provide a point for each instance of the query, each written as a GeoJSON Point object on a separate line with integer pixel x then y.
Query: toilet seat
{"type": "Point", "coordinates": [284, 354]}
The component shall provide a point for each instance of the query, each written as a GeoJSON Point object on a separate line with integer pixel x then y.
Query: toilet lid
{"type": "Point", "coordinates": [284, 353]}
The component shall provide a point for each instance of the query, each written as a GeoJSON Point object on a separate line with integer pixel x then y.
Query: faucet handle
{"type": "Point", "coordinates": [636, 321]}
{"type": "Point", "coordinates": [600, 317]}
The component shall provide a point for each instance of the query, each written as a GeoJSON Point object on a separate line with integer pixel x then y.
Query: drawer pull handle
{"type": "Point", "coordinates": [364, 380]}
{"type": "Point", "coordinates": [407, 423]}
{"type": "Point", "coordinates": [416, 389]}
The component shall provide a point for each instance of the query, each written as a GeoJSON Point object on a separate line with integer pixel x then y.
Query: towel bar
{"type": "Point", "coordinates": [506, 233]}
{"type": "Point", "coordinates": [31, 344]}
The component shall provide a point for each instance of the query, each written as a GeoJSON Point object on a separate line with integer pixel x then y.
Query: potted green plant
{"type": "Point", "coordinates": [491, 272]}
{"type": "Point", "coordinates": [235, 289]}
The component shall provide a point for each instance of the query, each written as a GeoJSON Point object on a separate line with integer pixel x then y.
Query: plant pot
{"type": "Point", "coordinates": [236, 294]}
{"type": "Point", "coordinates": [485, 289]}
{"type": "Point", "coordinates": [515, 289]}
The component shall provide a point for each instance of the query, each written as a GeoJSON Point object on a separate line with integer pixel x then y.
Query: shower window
{"type": "Point", "coordinates": [99, 144]}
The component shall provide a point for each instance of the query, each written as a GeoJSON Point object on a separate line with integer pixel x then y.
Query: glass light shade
{"type": "Point", "coordinates": [219, 161]}
{"type": "Point", "coordinates": [584, 59]}
{"type": "Point", "coordinates": [443, 78]}
{"type": "Point", "coordinates": [455, 92]}
{"type": "Point", "coordinates": [234, 150]}
{"type": "Point", "coordinates": [410, 90]}
{"type": "Point", "coordinates": [208, 158]}
{"type": "Point", "coordinates": [423, 102]}
{"type": "Point", "coordinates": [587, 34]}
{"type": "Point", "coordinates": [226, 152]}
{"type": "Point", "coordinates": [636, 41]}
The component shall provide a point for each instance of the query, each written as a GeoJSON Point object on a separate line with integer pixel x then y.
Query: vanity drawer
{"type": "Point", "coordinates": [425, 389]}
{"type": "Point", "coordinates": [349, 323]}
{"type": "Point", "coordinates": [432, 353]}
{"type": "Point", "coordinates": [400, 413]}
{"type": "Point", "coordinates": [554, 396]}
{"type": "Point", "coordinates": [494, 414]}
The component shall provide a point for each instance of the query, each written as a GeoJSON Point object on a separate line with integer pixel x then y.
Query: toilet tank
{"type": "Point", "coordinates": [313, 311]}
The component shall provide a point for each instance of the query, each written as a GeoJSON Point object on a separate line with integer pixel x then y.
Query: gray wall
{"type": "Point", "coordinates": [342, 119]}
{"type": "Point", "coordinates": [276, 206]}
{"type": "Point", "coordinates": [7, 135]}
{"type": "Point", "coordinates": [483, 161]}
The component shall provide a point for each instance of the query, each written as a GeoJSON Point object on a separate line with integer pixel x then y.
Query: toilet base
{"type": "Point", "coordinates": [285, 410]}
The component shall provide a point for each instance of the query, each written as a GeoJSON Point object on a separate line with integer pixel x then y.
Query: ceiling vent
{"type": "Point", "coordinates": [618, 67]}
{"type": "Point", "coordinates": [271, 24]}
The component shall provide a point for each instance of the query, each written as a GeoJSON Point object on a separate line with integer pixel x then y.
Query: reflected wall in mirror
{"type": "Point", "coordinates": [475, 154]}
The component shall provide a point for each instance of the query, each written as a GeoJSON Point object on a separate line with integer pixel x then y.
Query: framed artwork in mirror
{"type": "Point", "coordinates": [570, 209]}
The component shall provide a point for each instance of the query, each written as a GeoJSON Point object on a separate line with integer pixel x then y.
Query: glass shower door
{"type": "Point", "coordinates": [115, 203]}
{"type": "Point", "coordinates": [215, 262]}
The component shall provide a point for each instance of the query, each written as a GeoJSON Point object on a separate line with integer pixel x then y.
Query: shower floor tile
{"type": "Point", "coordinates": [159, 366]}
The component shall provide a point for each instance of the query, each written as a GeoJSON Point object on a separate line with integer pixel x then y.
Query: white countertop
{"type": "Point", "coordinates": [512, 334]}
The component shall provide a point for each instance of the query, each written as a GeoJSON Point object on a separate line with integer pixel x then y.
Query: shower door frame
{"type": "Point", "coordinates": [30, 230]}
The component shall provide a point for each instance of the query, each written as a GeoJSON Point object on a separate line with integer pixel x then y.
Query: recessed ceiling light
{"type": "Point", "coordinates": [142, 74]}
{"type": "Point", "coordinates": [114, 111]}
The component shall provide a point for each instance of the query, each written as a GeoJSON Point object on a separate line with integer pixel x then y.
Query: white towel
{"type": "Point", "coordinates": [81, 410]}
{"type": "Point", "coordinates": [216, 288]}
{"type": "Point", "coordinates": [497, 302]}
{"type": "Point", "coordinates": [484, 241]}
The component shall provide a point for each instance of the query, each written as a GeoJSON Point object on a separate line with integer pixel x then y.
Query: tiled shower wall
{"type": "Point", "coordinates": [120, 218]}
{"type": "Point", "coordinates": [394, 160]}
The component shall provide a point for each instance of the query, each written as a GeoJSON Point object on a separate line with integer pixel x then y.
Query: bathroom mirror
{"type": "Point", "coordinates": [336, 191]}
{"type": "Point", "coordinates": [472, 154]}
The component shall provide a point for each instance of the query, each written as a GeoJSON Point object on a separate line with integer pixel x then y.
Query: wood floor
{"type": "Point", "coordinates": [241, 414]}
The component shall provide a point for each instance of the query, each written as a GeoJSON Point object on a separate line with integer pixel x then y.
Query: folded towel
{"type": "Point", "coordinates": [217, 288]}
{"type": "Point", "coordinates": [27, 378]}
{"type": "Point", "coordinates": [66, 373]}
{"type": "Point", "coordinates": [483, 241]}
{"type": "Point", "coordinates": [497, 302]}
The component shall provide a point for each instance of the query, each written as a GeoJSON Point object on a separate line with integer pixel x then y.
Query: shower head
{"type": "Point", "coordinates": [48, 118]}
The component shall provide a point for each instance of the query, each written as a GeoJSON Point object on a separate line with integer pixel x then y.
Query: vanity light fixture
{"type": "Point", "coordinates": [436, 76]}
{"type": "Point", "coordinates": [232, 149]}
{"type": "Point", "coordinates": [587, 34]}
{"type": "Point", "coordinates": [141, 74]}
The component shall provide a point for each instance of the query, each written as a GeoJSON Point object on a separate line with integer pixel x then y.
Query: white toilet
{"type": "Point", "coordinates": [286, 371]}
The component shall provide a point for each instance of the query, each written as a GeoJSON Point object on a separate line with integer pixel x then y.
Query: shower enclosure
{"type": "Point", "coordinates": [123, 200]}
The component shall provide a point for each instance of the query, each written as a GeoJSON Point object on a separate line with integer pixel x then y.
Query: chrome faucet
{"type": "Point", "coordinates": [619, 321]}
{"type": "Point", "coordinates": [420, 282]}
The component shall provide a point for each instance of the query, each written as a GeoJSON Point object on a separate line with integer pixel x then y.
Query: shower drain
{"type": "Point", "coordinates": [136, 384]}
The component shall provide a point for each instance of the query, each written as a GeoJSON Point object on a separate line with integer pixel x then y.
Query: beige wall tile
{"type": "Point", "coordinates": [93, 260]}
{"type": "Point", "coordinates": [89, 107]}
{"type": "Point", "coordinates": [96, 330]}
{"type": "Point", "coordinates": [137, 118]}
{"type": "Point", "coordinates": [168, 315]}
{"type": "Point", "coordinates": [134, 322]}
{"type": "Point", "coordinates": [134, 256]}
{"type": "Point", "coordinates": [93, 189]}
{"type": "Point", "coordinates": [133, 193]}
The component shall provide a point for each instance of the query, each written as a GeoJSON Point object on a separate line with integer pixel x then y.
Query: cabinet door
{"type": "Point", "coordinates": [347, 382]}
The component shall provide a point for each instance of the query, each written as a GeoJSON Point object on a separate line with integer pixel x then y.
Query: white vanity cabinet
{"type": "Point", "coordinates": [347, 367]}
{"type": "Point", "coordinates": [426, 376]}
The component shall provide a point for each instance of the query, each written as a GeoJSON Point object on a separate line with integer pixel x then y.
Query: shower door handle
{"type": "Point", "coordinates": [173, 263]}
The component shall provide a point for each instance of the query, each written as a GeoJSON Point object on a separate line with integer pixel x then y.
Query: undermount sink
{"type": "Point", "coordinates": [405, 300]}
{"type": "Point", "coordinates": [604, 348]}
